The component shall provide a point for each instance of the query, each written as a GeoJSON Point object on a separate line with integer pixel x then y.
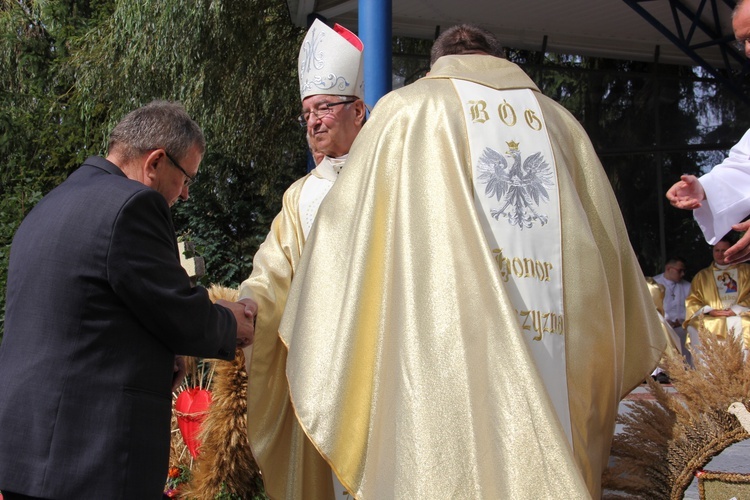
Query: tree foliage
{"type": "Point", "coordinates": [72, 69]}
{"type": "Point", "coordinates": [233, 66]}
{"type": "Point", "coordinates": [39, 144]}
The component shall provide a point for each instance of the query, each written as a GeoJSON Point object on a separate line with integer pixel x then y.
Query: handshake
{"type": "Point", "coordinates": [244, 312]}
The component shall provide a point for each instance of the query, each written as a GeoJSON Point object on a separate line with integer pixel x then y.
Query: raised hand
{"type": "Point", "coordinates": [740, 251]}
{"type": "Point", "coordinates": [687, 193]}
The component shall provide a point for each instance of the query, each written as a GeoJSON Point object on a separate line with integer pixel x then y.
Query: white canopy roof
{"type": "Point", "coordinates": [603, 28]}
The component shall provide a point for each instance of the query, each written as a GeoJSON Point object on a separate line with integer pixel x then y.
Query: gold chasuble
{"type": "Point", "coordinates": [412, 365]}
{"type": "Point", "coordinates": [291, 466]}
{"type": "Point", "coordinates": [720, 287]}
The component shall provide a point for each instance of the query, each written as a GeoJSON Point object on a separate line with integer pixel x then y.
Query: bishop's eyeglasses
{"type": "Point", "coordinates": [323, 110]}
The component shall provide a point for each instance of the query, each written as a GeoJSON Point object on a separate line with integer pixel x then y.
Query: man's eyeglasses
{"type": "Point", "coordinates": [188, 179]}
{"type": "Point", "coordinates": [323, 110]}
{"type": "Point", "coordinates": [740, 44]}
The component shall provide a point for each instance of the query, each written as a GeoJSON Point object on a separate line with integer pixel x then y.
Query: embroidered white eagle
{"type": "Point", "coordinates": [521, 186]}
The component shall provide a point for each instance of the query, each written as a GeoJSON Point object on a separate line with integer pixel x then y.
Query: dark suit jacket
{"type": "Point", "coordinates": [97, 306]}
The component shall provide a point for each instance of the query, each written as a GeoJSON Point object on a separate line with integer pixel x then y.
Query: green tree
{"type": "Point", "coordinates": [71, 70]}
{"type": "Point", "coordinates": [233, 66]}
{"type": "Point", "coordinates": [39, 131]}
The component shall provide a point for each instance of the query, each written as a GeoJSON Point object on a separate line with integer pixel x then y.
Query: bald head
{"type": "Point", "coordinates": [737, 7]}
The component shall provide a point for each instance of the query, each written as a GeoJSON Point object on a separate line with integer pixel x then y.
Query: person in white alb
{"type": "Point", "coordinates": [720, 199]}
{"type": "Point", "coordinates": [676, 291]}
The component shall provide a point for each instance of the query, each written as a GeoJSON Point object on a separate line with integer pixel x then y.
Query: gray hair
{"type": "Point", "coordinates": [347, 106]}
{"type": "Point", "coordinates": [465, 39]}
{"type": "Point", "coordinates": [158, 124]}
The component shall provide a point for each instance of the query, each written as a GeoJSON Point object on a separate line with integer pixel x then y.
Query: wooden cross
{"type": "Point", "coordinates": [194, 266]}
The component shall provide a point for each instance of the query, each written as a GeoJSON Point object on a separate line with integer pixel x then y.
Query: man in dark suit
{"type": "Point", "coordinates": [97, 309]}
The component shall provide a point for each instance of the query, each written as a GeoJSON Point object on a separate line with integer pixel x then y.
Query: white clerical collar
{"type": "Point", "coordinates": [329, 168]}
{"type": "Point", "coordinates": [722, 266]}
{"type": "Point", "coordinates": [338, 163]}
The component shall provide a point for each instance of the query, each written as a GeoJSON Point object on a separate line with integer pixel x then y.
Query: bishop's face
{"type": "Point", "coordinates": [332, 125]}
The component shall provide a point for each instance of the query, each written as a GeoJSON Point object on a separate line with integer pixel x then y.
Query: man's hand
{"type": "Point", "coordinates": [687, 193]}
{"type": "Point", "coordinates": [180, 370]}
{"type": "Point", "coordinates": [740, 251]}
{"type": "Point", "coordinates": [244, 312]}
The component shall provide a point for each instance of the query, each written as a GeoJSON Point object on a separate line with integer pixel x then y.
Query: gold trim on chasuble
{"type": "Point", "coordinates": [517, 199]}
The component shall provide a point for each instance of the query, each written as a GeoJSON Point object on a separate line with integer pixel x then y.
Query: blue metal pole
{"type": "Point", "coordinates": [375, 32]}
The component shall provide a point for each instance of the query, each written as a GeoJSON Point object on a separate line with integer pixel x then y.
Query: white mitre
{"type": "Point", "coordinates": [330, 62]}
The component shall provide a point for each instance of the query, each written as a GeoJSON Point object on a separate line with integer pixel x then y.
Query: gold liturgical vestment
{"type": "Point", "coordinates": [704, 296]}
{"type": "Point", "coordinates": [406, 362]}
{"type": "Point", "coordinates": [291, 466]}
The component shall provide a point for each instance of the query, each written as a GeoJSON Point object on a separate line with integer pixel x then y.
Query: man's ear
{"type": "Point", "coordinates": [149, 163]}
{"type": "Point", "coordinates": [360, 111]}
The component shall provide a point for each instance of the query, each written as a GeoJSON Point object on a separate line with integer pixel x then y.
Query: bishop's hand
{"type": "Point", "coordinates": [244, 313]}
